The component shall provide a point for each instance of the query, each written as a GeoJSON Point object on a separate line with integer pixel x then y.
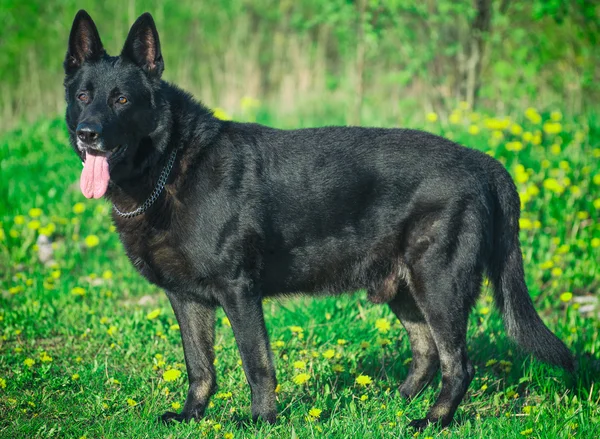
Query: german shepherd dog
{"type": "Point", "coordinates": [220, 213]}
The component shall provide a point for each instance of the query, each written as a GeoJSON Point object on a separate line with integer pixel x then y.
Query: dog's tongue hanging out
{"type": "Point", "coordinates": [94, 177]}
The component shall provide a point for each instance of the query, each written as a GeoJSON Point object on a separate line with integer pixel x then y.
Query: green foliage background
{"type": "Point", "coordinates": [290, 54]}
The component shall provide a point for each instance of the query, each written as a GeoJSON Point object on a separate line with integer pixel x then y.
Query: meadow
{"type": "Point", "coordinates": [89, 349]}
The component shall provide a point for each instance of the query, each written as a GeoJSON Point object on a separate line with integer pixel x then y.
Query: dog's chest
{"type": "Point", "coordinates": [159, 258]}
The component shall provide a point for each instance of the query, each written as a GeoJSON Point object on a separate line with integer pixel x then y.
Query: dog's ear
{"type": "Point", "coordinates": [84, 43]}
{"type": "Point", "coordinates": [143, 46]}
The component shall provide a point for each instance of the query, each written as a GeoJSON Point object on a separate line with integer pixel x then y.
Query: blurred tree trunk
{"type": "Point", "coordinates": [471, 81]}
{"type": "Point", "coordinates": [359, 86]}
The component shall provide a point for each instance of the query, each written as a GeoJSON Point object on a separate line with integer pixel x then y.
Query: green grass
{"type": "Point", "coordinates": [99, 358]}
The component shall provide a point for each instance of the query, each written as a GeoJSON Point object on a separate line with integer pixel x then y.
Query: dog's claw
{"type": "Point", "coordinates": [419, 424]}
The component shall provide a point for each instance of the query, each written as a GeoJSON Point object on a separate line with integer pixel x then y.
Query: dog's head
{"type": "Point", "coordinates": [113, 103]}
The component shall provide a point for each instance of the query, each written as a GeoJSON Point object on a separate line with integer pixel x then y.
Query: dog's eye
{"type": "Point", "coordinates": [83, 97]}
{"type": "Point", "coordinates": [122, 100]}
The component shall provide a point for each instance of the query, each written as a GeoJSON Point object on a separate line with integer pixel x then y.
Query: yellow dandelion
{"type": "Point", "coordinates": [153, 314]}
{"type": "Point", "coordinates": [383, 325]}
{"type": "Point", "coordinates": [596, 203]}
{"type": "Point", "coordinates": [228, 436]}
{"type": "Point", "coordinates": [112, 330]}
{"type": "Point", "coordinates": [363, 380]}
{"type": "Point", "coordinates": [533, 116]}
{"type": "Point", "coordinates": [29, 362]}
{"type": "Point", "coordinates": [525, 224]}
{"type": "Point", "coordinates": [176, 406]}
{"type": "Point", "coordinates": [299, 365]}
{"type": "Point", "coordinates": [364, 397]}
{"type": "Point", "coordinates": [595, 242]}
{"type": "Point", "coordinates": [556, 272]}
{"type": "Point", "coordinates": [108, 274]}
{"type": "Point", "coordinates": [220, 113]}
{"type": "Point", "coordinates": [217, 427]}
{"type": "Point", "coordinates": [485, 310]}
{"type": "Point", "coordinates": [45, 358]}
{"type": "Point", "coordinates": [78, 208]}
{"type": "Point", "coordinates": [301, 378]}
{"type": "Point", "coordinates": [473, 130]}
{"type": "Point", "coordinates": [2, 383]}
{"type": "Point", "coordinates": [341, 342]}
{"type": "Point", "coordinates": [516, 129]}
{"type": "Point", "coordinates": [315, 412]}
{"type": "Point", "coordinates": [92, 241]}
{"type": "Point", "coordinates": [431, 117]}
{"type": "Point", "coordinates": [75, 376]}
{"type": "Point", "coordinates": [171, 374]}
{"type": "Point", "coordinates": [552, 127]}
{"type": "Point", "coordinates": [77, 291]}
{"type": "Point", "coordinates": [566, 296]}
{"type": "Point", "coordinates": [19, 220]}
{"type": "Point", "coordinates": [35, 212]}
{"type": "Point", "coordinates": [174, 327]}
{"type": "Point", "coordinates": [329, 354]}
{"type": "Point", "coordinates": [131, 402]}
{"type": "Point", "coordinates": [34, 224]}
{"type": "Point", "coordinates": [526, 432]}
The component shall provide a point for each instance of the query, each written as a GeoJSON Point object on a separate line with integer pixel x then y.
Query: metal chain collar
{"type": "Point", "coordinates": [155, 194]}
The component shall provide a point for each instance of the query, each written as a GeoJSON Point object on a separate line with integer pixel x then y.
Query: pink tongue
{"type": "Point", "coordinates": [94, 177]}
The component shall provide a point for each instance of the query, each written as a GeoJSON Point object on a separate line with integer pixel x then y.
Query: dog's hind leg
{"type": "Point", "coordinates": [425, 360]}
{"type": "Point", "coordinates": [447, 280]}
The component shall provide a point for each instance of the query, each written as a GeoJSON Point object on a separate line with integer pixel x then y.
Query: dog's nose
{"type": "Point", "coordinates": [89, 133]}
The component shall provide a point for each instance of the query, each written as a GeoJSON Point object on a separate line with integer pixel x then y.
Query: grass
{"type": "Point", "coordinates": [86, 341]}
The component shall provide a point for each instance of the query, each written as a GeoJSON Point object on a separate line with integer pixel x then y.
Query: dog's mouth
{"type": "Point", "coordinates": [96, 170]}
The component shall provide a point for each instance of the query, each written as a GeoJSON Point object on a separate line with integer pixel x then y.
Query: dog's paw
{"type": "Point", "coordinates": [268, 416]}
{"type": "Point", "coordinates": [419, 424]}
{"type": "Point", "coordinates": [169, 417]}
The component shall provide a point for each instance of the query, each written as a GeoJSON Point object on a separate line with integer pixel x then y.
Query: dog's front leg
{"type": "Point", "coordinates": [245, 314]}
{"type": "Point", "coordinates": [197, 324]}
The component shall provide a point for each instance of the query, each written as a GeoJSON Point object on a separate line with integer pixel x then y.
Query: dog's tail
{"type": "Point", "coordinates": [522, 322]}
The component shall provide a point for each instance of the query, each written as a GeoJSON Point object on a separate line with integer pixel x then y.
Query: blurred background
{"type": "Point", "coordinates": [285, 62]}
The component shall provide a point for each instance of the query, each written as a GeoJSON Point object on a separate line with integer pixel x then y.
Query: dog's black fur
{"type": "Point", "coordinates": [250, 212]}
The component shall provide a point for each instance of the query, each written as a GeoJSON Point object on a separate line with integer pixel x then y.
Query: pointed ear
{"type": "Point", "coordinates": [84, 43]}
{"type": "Point", "coordinates": [143, 46]}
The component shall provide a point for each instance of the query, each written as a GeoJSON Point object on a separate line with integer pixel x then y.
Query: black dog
{"type": "Point", "coordinates": [224, 214]}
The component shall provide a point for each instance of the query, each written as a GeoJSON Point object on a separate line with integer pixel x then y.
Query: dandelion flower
{"type": "Point", "coordinates": [363, 380]}
{"type": "Point", "coordinates": [75, 376]}
{"type": "Point", "coordinates": [296, 329]}
{"type": "Point", "coordinates": [131, 402]}
{"type": "Point", "coordinates": [329, 354]}
{"type": "Point", "coordinates": [315, 413]}
{"type": "Point", "coordinates": [219, 113]}
{"type": "Point", "coordinates": [431, 117]}
{"type": "Point", "coordinates": [78, 208]}
{"type": "Point", "coordinates": [383, 325]}
{"type": "Point", "coordinates": [92, 241]}
{"type": "Point", "coordinates": [29, 362]}
{"type": "Point", "coordinates": [153, 314]}
{"type": "Point", "coordinates": [176, 406]}
{"type": "Point", "coordinates": [171, 374]}
{"type": "Point", "coordinates": [299, 365]}
{"type": "Point", "coordinates": [35, 212]}
{"type": "Point", "coordinates": [566, 296]}
{"type": "Point", "coordinates": [2, 383]}
{"type": "Point", "coordinates": [301, 378]}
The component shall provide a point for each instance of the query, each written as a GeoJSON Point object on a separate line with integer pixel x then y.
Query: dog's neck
{"type": "Point", "coordinates": [130, 191]}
